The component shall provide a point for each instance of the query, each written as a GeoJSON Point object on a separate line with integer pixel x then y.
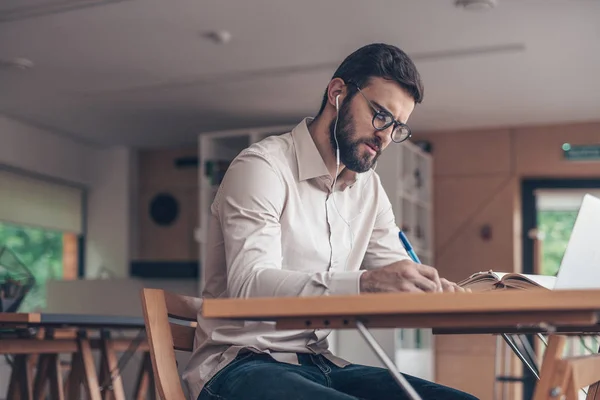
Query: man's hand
{"type": "Point", "coordinates": [406, 276]}
{"type": "Point", "coordinates": [403, 276]}
{"type": "Point", "coordinates": [452, 287]}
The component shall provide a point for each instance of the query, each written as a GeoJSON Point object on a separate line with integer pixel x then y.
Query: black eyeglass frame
{"type": "Point", "coordinates": [388, 115]}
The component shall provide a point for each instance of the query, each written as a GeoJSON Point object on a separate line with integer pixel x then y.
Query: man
{"type": "Point", "coordinates": [304, 214]}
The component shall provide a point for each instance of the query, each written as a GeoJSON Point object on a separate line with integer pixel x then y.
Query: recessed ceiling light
{"type": "Point", "coordinates": [476, 5]}
{"type": "Point", "coordinates": [219, 37]}
{"type": "Point", "coordinates": [16, 63]}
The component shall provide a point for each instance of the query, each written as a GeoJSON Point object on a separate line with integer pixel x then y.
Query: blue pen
{"type": "Point", "coordinates": [408, 247]}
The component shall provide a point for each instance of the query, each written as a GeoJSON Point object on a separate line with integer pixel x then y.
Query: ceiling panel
{"type": "Point", "coordinates": [141, 72]}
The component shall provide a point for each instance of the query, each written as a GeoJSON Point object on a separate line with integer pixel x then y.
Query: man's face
{"type": "Point", "coordinates": [359, 142]}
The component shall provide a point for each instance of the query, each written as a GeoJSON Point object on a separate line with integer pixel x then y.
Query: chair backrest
{"type": "Point", "coordinates": [565, 376]}
{"type": "Point", "coordinates": [164, 337]}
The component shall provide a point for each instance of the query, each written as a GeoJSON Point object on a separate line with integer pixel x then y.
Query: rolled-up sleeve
{"type": "Point", "coordinates": [384, 246]}
{"type": "Point", "coordinates": [249, 205]}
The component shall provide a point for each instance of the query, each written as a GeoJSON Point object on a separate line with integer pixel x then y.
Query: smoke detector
{"type": "Point", "coordinates": [476, 5]}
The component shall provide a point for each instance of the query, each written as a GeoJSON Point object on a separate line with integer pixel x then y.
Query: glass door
{"type": "Point", "coordinates": [549, 210]}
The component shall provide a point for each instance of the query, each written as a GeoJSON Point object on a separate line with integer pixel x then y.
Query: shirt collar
{"type": "Point", "coordinates": [310, 162]}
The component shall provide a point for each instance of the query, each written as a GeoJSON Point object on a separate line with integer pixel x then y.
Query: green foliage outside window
{"type": "Point", "coordinates": [41, 251]}
{"type": "Point", "coordinates": [556, 227]}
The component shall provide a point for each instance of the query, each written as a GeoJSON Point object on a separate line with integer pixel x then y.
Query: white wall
{"type": "Point", "coordinates": [106, 172]}
{"type": "Point", "coordinates": [108, 215]}
{"type": "Point", "coordinates": [34, 150]}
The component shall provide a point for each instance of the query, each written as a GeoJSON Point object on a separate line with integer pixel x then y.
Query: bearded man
{"type": "Point", "coordinates": [305, 214]}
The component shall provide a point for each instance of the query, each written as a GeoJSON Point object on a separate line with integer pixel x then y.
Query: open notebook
{"type": "Point", "coordinates": [490, 280]}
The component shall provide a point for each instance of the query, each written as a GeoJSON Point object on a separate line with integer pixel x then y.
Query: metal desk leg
{"type": "Point", "coordinates": [521, 357]}
{"type": "Point", "coordinates": [526, 346]}
{"type": "Point", "coordinates": [408, 389]}
{"type": "Point", "coordinates": [543, 339]}
{"type": "Point", "coordinates": [498, 368]}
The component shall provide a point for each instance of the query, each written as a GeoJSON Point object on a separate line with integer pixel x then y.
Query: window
{"type": "Point", "coordinates": [557, 211]}
{"type": "Point", "coordinates": [556, 226]}
{"type": "Point", "coordinates": [41, 223]}
{"type": "Point", "coordinates": [47, 254]}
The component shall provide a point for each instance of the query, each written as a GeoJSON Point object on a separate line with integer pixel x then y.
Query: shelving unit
{"type": "Point", "coordinates": [406, 175]}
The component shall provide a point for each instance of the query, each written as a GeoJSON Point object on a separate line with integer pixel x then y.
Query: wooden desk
{"type": "Point", "coordinates": [490, 312]}
{"type": "Point", "coordinates": [83, 371]}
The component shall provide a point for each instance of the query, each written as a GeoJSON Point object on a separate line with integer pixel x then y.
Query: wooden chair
{"type": "Point", "coordinates": [164, 337]}
{"type": "Point", "coordinates": [566, 376]}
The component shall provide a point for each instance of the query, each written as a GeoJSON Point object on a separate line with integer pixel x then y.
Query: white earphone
{"type": "Point", "coordinates": [337, 154]}
{"type": "Point", "coordinates": [337, 150]}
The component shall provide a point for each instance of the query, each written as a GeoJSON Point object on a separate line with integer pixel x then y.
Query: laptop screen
{"type": "Point", "coordinates": [580, 266]}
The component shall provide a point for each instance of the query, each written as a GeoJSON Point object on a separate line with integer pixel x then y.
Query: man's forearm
{"type": "Point", "coordinates": [274, 282]}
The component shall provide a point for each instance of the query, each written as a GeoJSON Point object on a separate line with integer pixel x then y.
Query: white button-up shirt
{"type": "Point", "coordinates": [279, 229]}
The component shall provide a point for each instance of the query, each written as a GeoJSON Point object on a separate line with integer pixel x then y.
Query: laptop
{"type": "Point", "coordinates": [580, 266]}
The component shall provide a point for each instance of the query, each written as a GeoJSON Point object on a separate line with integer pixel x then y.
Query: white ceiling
{"type": "Point", "coordinates": [139, 72]}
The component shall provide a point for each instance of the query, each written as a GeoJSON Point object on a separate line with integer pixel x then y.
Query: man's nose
{"type": "Point", "coordinates": [384, 136]}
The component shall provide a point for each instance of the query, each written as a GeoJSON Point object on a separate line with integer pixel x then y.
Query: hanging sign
{"type": "Point", "coordinates": [581, 152]}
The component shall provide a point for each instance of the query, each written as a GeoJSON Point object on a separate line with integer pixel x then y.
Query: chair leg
{"type": "Point", "coordinates": [108, 365]}
{"type": "Point", "coordinates": [594, 390]}
{"type": "Point", "coordinates": [20, 387]}
{"type": "Point", "coordinates": [55, 375]}
{"type": "Point", "coordinates": [75, 378]}
{"type": "Point", "coordinates": [571, 389]}
{"type": "Point", "coordinates": [90, 377]}
{"type": "Point", "coordinates": [144, 378]}
{"type": "Point", "coordinates": [550, 366]}
{"type": "Point", "coordinates": [41, 377]}
{"type": "Point", "coordinates": [153, 389]}
{"type": "Point", "coordinates": [20, 379]}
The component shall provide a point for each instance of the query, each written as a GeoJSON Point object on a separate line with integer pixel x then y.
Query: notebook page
{"type": "Point", "coordinates": [543, 280]}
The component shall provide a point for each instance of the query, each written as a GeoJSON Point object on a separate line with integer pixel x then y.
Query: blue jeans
{"type": "Point", "coordinates": [259, 377]}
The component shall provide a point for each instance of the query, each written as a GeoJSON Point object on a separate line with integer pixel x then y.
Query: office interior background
{"type": "Point", "coordinates": [119, 117]}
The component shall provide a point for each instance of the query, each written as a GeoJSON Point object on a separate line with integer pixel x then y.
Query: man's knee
{"type": "Point", "coordinates": [365, 381]}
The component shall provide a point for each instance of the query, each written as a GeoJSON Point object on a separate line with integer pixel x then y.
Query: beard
{"type": "Point", "coordinates": [350, 152]}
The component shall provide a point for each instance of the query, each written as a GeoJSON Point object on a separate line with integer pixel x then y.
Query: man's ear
{"type": "Point", "coordinates": [337, 87]}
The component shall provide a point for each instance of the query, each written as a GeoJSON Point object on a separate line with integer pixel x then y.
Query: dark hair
{"type": "Point", "coordinates": [382, 61]}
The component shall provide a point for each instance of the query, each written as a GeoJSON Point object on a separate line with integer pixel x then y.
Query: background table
{"type": "Point", "coordinates": [71, 321]}
{"type": "Point", "coordinates": [70, 333]}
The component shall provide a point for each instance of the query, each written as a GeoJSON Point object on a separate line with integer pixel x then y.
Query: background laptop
{"type": "Point", "coordinates": [580, 266]}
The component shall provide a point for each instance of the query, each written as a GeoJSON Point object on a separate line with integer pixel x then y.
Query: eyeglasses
{"type": "Point", "coordinates": [383, 119]}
